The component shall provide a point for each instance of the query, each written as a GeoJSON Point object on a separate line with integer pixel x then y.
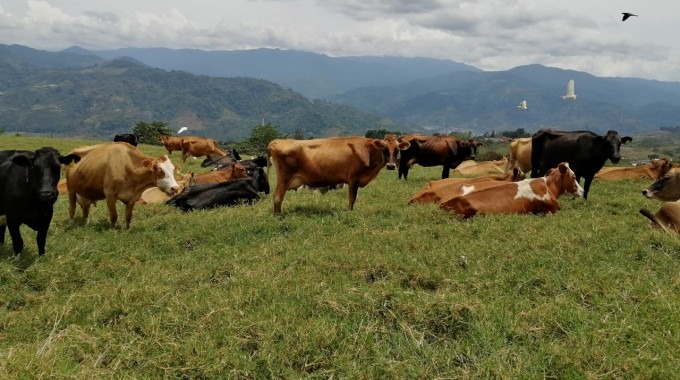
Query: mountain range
{"type": "Point", "coordinates": [225, 93]}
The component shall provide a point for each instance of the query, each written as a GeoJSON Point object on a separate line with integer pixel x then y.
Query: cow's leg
{"type": "Point", "coordinates": [15, 234]}
{"type": "Point", "coordinates": [2, 234]}
{"type": "Point", "coordinates": [586, 186]}
{"type": "Point", "coordinates": [353, 190]}
{"type": "Point", "coordinates": [111, 205]}
{"type": "Point", "coordinates": [278, 196]}
{"type": "Point", "coordinates": [128, 213]}
{"type": "Point", "coordinates": [445, 171]}
{"type": "Point", "coordinates": [71, 205]}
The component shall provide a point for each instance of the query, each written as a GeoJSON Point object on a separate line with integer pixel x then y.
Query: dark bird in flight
{"type": "Point", "coordinates": [626, 15]}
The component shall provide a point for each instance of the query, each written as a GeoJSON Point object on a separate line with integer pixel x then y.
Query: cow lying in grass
{"type": "Point", "coordinates": [666, 188]}
{"type": "Point", "coordinates": [530, 196]}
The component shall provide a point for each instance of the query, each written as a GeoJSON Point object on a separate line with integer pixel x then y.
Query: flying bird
{"type": "Point", "coordinates": [182, 130]}
{"type": "Point", "coordinates": [626, 15]}
{"type": "Point", "coordinates": [523, 105]}
{"type": "Point", "coordinates": [570, 91]}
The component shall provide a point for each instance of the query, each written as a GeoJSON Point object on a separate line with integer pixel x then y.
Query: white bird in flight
{"type": "Point", "coordinates": [182, 130]}
{"type": "Point", "coordinates": [570, 91]}
{"type": "Point", "coordinates": [523, 105]}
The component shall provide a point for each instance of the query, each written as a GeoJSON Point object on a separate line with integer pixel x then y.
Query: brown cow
{"type": "Point", "coordinates": [173, 143]}
{"type": "Point", "coordinates": [232, 172]}
{"type": "Point", "coordinates": [520, 153]}
{"type": "Point", "coordinates": [117, 171]}
{"type": "Point", "coordinates": [666, 188]}
{"type": "Point", "coordinates": [667, 217]}
{"type": "Point", "coordinates": [440, 189]}
{"type": "Point", "coordinates": [534, 196]}
{"type": "Point", "coordinates": [327, 162]}
{"type": "Point", "coordinates": [474, 168]}
{"type": "Point", "coordinates": [653, 170]}
{"type": "Point", "coordinates": [200, 147]}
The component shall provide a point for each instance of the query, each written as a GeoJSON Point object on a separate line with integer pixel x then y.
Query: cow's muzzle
{"type": "Point", "coordinates": [391, 166]}
{"type": "Point", "coordinates": [646, 193]}
{"type": "Point", "coordinates": [47, 196]}
{"type": "Point", "coordinates": [616, 159]}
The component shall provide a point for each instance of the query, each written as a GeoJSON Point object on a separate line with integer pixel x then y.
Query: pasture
{"type": "Point", "coordinates": [388, 290]}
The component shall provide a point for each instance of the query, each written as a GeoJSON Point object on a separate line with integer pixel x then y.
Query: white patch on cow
{"type": "Point", "coordinates": [167, 183]}
{"type": "Point", "coordinates": [524, 190]}
{"type": "Point", "coordinates": [579, 189]}
{"type": "Point", "coordinates": [467, 189]}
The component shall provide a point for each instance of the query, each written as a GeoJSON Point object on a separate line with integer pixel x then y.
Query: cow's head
{"type": "Point", "coordinates": [613, 142]}
{"type": "Point", "coordinates": [164, 171]}
{"type": "Point", "coordinates": [391, 147]}
{"type": "Point", "coordinates": [666, 188]}
{"type": "Point", "coordinates": [565, 178]}
{"type": "Point", "coordinates": [468, 149]}
{"type": "Point", "coordinates": [660, 167]}
{"type": "Point", "coordinates": [43, 171]}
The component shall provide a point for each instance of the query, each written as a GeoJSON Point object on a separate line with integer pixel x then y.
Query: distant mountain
{"type": "Point", "coordinates": [314, 75]}
{"type": "Point", "coordinates": [486, 101]}
{"type": "Point", "coordinates": [110, 97]}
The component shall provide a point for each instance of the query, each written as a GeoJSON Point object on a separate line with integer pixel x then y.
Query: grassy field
{"type": "Point", "coordinates": [388, 290]}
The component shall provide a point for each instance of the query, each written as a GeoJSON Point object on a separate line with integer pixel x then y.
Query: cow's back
{"type": "Point", "coordinates": [520, 153]}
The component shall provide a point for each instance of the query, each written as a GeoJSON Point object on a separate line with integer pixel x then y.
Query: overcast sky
{"type": "Point", "coordinates": [584, 35]}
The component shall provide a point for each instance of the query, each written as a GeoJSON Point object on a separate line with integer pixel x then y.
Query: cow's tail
{"type": "Point", "coordinates": [654, 220]}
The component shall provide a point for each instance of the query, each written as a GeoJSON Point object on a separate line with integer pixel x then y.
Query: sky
{"type": "Point", "coordinates": [583, 35]}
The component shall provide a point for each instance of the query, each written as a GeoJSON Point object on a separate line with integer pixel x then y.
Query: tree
{"type": "Point", "coordinates": [259, 138]}
{"type": "Point", "coordinates": [151, 133]}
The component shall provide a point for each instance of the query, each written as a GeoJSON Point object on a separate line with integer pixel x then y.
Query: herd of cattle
{"type": "Point", "coordinates": [119, 171]}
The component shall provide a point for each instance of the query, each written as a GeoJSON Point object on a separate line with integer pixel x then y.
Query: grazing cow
{"type": "Point", "coordinates": [215, 194]}
{"type": "Point", "coordinates": [28, 190]}
{"type": "Point", "coordinates": [117, 171]}
{"type": "Point", "coordinates": [231, 172]}
{"type": "Point", "coordinates": [435, 191]}
{"type": "Point", "coordinates": [326, 162]}
{"type": "Point", "coordinates": [520, 153]}
{"type": "Point", "coordinates": [173, 143]}
{"type": "Point", "coordinates": [530, 196]}
{"type": "Point", "coordinates": [654, 170]}
{"type": "Point", "coordinates": [129, 138]}
{"type": "Point", "coordinates": [198, 147]}
{"type": "Point", "coordinates": [447, 151]}
{"type": "Point", "coordinates": [585, 152]}
{"type": "Point", "coordinates": [474, 168]}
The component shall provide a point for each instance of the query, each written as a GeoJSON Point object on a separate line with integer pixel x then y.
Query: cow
{"type": "Point", "coordinates": [520, 153]}
{"type": "Point", "coordinates": [331, 161]}
{"type": "Point", "coordinates": [217, 160]}
{"type": "Point", "coordinates": [482, 168]}
{"type": "Point", "coordinates": [447, 151]}
{"type": "Point", "coordinates": [231, 172]}
{"type": "Point", "coordinates": [216, 194]}
{"type": "Point", "coordinates": [667, 217]}
{"type": "Point", "coordinates": [28, 191]}
{"type": "Point", "coordinates": [173, 143]}
{"type": "Point", "coordinates": [251, 165]}
{"type": "Point", "coordinates": [530, 196]}
{"type": "Point", "coordinates": [654, 170]}
{"type": "Point", "coordinates": [117, 171]}
{"type": "Point", "coordinates": [129, 138]}
{"type": "Point", "coordinates": [666, 188]}
{"type": "Point", "coordinates": [436, 191]}
{"type": "Point", "coordinates": [198, 147]}
{"type": "Point", "coordinates": [585, 151]}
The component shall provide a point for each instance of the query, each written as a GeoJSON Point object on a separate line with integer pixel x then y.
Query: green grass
{"type": "Point", "coordinates": [388, 290]}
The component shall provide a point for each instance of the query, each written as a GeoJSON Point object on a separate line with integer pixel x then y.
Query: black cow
{"type": "Point", "coordinates": [251, 165]}
{"type": "Point", "coordinates": [447, 151]}
{"type": "Point", "coordinates": [219, 160]}
{"type": "Point", "coordinates": [585, 151]}
{"type": "Point", "coordinates": [28, 190]}
{"type": "Point", "coordinates": [259, 178]}
{"type": "Point", "coordinates": [211, 195]}
{"type": "Point", "coordinates": [129, 138]}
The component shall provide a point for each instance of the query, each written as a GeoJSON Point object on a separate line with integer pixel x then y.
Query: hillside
{"type": "Point", "coordinates": [110, 97]}
{"type": "Point", "coordinates": [488, 101]}
{"type": "Point", "coordinates": [317, 76]}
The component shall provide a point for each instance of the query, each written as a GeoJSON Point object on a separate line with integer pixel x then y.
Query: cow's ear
{"type": "Point", "coordinates": [71, 158]}
{"type": "Point", "coordinates": [147, 163]}
{"type": "Point", "coordinates": [404, 145]}
{"type": "Point", "coordinates": [378, 143]}
{"type": "Point", "coordinates": [626, 139]}
{"type": "Point", "coordinates": [21, 160]}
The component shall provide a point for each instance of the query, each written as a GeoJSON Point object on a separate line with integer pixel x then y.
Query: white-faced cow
{"type": "Point", "coordinates": [530, 196]}
{"type": "Point", "coordinates": [28, 190]}
{"type": "Point", "coordinates": [355, 161]}
{"type": "Point", "coordinates": [585, 152]}
{"type": "Point", "coordinates": [447, 151]}
{"type": "Point", "coordinates": [117, 171]}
